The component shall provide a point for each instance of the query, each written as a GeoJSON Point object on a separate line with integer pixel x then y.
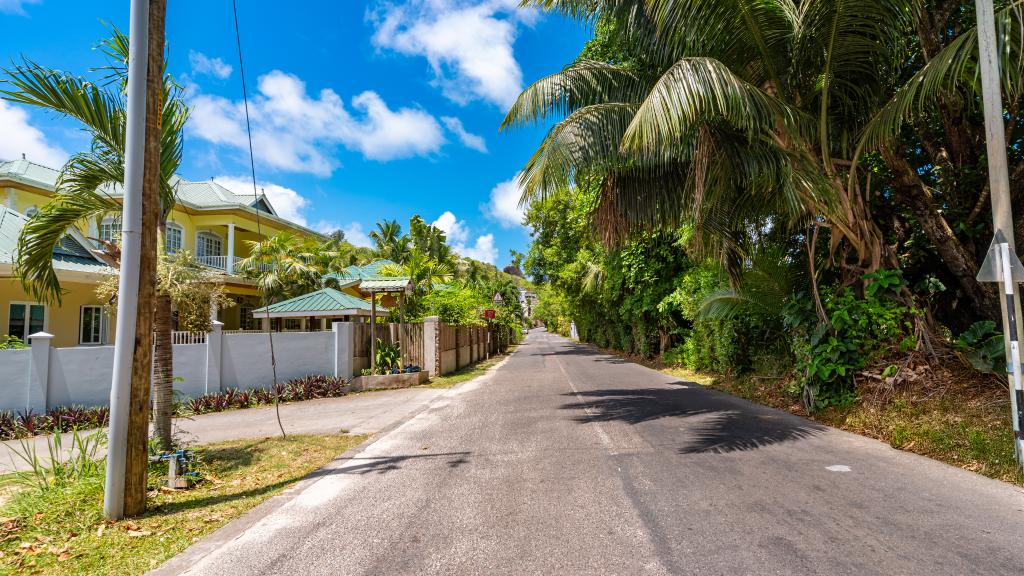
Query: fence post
{"type": "Point", "coordinates": [344, 349]}
{"type": "Point", "coordinates": [431, 346]}
{"type": "Point", "coordinates": [38, 372]}
{"type": "Point", "coordinates": [214, 343]}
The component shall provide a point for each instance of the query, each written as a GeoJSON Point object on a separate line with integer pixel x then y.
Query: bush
{"type": "Point", "coordinates": [309, 387]}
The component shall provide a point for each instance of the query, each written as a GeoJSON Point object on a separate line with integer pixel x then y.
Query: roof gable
{"type": "Point", "coordinates": [323, 300]}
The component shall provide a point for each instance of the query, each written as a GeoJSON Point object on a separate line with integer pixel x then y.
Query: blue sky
{"type": "Point", "coordinates": [362, 110]}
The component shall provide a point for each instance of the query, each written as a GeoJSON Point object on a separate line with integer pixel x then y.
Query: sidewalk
{"type": "Point", "coordinates": [364, 413]}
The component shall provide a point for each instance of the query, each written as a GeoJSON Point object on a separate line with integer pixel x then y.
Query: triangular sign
{"type": "Point", "coordinates": [992, 268]}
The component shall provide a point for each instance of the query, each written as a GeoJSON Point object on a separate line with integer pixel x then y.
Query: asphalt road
{"type": "Point", "coordinates": [566, 461]}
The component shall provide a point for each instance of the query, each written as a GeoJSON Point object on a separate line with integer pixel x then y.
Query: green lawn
{"type": "Point", "coordinates": [62, 531]}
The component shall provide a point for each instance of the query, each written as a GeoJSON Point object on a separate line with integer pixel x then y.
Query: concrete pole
{"type": "Point", "coordinates": [123, 420]}
{"type": "Point", "coordinates": [230, 266]}
{"type": "Point", "coordinates": [999, 180]}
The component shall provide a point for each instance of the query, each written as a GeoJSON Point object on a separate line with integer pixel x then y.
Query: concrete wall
{"type": "Point", "coordinates": [14, 377]}
{"type": "Point", "coordinates": [245, 360]}
{"type": "Point", "coordinates": [80, 376]}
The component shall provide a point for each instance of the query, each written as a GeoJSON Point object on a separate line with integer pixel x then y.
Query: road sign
{"type": "Point", "coordinates": [489, 314]}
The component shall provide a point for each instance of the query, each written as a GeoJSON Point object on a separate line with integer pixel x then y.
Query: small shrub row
{"type": "Point", "coordinates": [20, 424]}
{"type": "Point", "coordinates": [305, 388]}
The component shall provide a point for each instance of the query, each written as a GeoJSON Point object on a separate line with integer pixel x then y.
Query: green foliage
{"type": "Point", "coordinates": [983, 347]}
{"type": "Point", "coordinates": [456, 305]}
{"type": "Point", "coordinates": [11, 343]}
{"type": "Point", "coordinates": [389, 357]}
{"type": "Point", "coordinates": [63, 466]}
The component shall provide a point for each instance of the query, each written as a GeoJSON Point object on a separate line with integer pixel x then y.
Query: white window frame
{"type": "Point", "coordinates": [209, 235]}
{"type": "Point", "coordinates": [104, 325]}
{"type": "Point", "coordinates": [167, 236]}
{"type": "Point", "coordinates": [114, 223]}
{"type": "Point", "coordinates": [28, 317]}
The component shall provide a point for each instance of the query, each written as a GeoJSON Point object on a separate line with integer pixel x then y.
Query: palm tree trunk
{"type": "Point", "coordinates": [958, 260]}
{"type": "Point", "coordinates": [163, 373]}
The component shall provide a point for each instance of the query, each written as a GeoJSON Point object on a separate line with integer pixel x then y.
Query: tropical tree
{"type": "Point", "coordinates": [287, 265]}
{"type": "Point", "coordinates": [86, 182]}
{"type": "Point", "coordinates": [389, 240]}
{"type": "Point", "coordinates": [740, 115]}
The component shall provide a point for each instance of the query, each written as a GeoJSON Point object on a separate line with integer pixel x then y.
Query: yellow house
{"type": "Point", "coordinates": [209, 220]}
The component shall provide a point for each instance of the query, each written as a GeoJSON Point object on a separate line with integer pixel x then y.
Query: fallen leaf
{"type": "Point", "coordinates": [139, 533]}
{"type": "Point", "coordinates": [64, 557]}
{"type": "Point", "coordinates": [99, 531]}
{"type": "Point", "coordinates": [42, 538]}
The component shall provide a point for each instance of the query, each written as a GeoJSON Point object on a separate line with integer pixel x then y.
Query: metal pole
{"type": "Point", "coordinates": [999, 184]}
{"type": "Point", "coordinates": [131, 242]}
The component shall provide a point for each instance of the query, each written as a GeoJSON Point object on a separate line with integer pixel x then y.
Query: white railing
{"type": "Point", "coordinates": [218, 262]}
{"type": "Point", "coordinates": [183, 337]}
{"type": "Point", "coordinates": [253, 331]}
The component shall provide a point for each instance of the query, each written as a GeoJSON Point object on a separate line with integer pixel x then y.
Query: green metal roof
{"type": "Point", "coordinates": [323, 300]}
{"type": "Point", "coordinates": [204, 195]}
{"type": "Point", "coordinates": [69, 254]}
{"type": "Point", "coordinates": [384, 283]}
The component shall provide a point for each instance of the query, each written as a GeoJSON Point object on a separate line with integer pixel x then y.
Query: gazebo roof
{"type": "Point", "coordinates": [324, 302]}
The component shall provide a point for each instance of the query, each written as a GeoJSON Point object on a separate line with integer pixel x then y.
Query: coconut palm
{"type": "Point", "coordinates": [86, 182]}
{"type": "Point", "coordinates": [742, 120]}
{"type": "Point", "coordinates": [742, 114]}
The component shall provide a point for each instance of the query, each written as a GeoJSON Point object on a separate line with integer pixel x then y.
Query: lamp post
{"type": "Point", "coordinates": [1001, 265]}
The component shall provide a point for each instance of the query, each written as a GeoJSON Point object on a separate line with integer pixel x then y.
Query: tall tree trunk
{"type": "Point", "coordinates": [163, 373]}
{"type": "Point", "coordinates": [959, 261]}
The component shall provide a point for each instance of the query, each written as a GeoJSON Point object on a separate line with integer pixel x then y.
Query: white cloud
{"type": "Point", "coordinates": [288, 203]}
{"type": "Point", "coordinates": [468, 45]}
{"type": "Point", "coordinates": [454, 229]}
{"type": "Point", "coordinates": [504, 204]}
{"type": "Point", "coordinates": [483, 250]}
{"type": "Point", "coordinates": [203, 64]}
{"type": "Point", "coordinates": [16, 6]}
{"type": "Point", "coordinates": [468, 139]}
{"type": "Point", "coordinates": [355, 235]}
{"type": "Point", "coordinates": [20, 137]}
{"type": "Point", "coordinates": [295, 132]}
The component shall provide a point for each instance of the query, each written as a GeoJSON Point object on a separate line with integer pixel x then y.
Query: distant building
{"type": "Point", "coordinates": [527, 300]}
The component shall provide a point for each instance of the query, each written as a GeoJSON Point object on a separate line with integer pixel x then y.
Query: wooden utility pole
{"type": "Point", "coordinates": [127, 460]}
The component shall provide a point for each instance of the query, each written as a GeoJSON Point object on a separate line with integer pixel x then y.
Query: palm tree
{"type": "Point", "coordinates": [286, 265]}
{"type": "Point", "coordinates": [727, 123]}
{"type": "Point", "coordinates": [85, 183]}
{"type": "Point", "coordinates": [742, 114]}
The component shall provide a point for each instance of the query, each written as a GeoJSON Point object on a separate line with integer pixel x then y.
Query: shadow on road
{"type": "Point", "coordinates": [718, 423]}
{"type": "Point", "coordinates": [385, 464]}
{"type": "Point", "coordinates": [583, 351]}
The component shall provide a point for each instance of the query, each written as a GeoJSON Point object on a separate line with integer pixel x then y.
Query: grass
{"type": "Point", "coordinates": [958, 417]}
{"type": "Point", "coordinates": [467, 372]}
{"type": "Point", "coordinates": [61, 531]}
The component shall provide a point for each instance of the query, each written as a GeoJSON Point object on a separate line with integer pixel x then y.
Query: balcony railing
{"type": "Point", "coordinates": [221, 263]}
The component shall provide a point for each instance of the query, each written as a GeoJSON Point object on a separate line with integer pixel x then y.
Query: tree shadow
{"type": "Point", "coordinates": [385, 464]}
{"type": "Point", "coordinates": [587, 352]}
{"type": "Point", "coordinates": [720, 423]}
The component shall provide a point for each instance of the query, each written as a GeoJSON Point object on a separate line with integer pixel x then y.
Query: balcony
{"type": "Point", "coordinates": [226, 263]}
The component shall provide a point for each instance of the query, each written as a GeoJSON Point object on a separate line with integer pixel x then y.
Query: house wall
{"type": "Point", "coordinates": [64, 320]}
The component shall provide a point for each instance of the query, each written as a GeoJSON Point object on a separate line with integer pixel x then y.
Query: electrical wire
{"type": "Point", "coordinates": [259, 230]}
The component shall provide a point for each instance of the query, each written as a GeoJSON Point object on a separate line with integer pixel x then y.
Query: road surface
{"type": "Point", "coordinates": [567, 461]}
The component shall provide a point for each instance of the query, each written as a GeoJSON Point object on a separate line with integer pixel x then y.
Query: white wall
{"type": "Point", "coordinates": [14, 378]}
{"type": "Point", "coordinates": [245, 359]}
{"type": "Point", "coordinates": [190, 366]}
{"type": "Point", "coordinates": [80, 376]}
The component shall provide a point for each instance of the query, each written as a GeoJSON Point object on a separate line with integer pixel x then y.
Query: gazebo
{"type": "Point", "coordinates": [324, 305]}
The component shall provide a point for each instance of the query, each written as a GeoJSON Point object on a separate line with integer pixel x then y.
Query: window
{"type": "Point", "coordinates": [247, 322]}
{"type": "Point", "coordinates": [209, 245]}
{"type": "Point", "coordinates": [26, 319]}
{"type": "Point", "coordinates": [110, 230]}
{"type": "Point", "coordinates": [93, 325]}
{"type": "Point", "coordinates": [173, 238]}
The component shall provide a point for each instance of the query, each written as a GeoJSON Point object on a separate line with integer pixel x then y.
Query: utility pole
{"type": "Point", "coordinates": [1002, 260]}
{"type": "Point", "coordinates": [127, 459]}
